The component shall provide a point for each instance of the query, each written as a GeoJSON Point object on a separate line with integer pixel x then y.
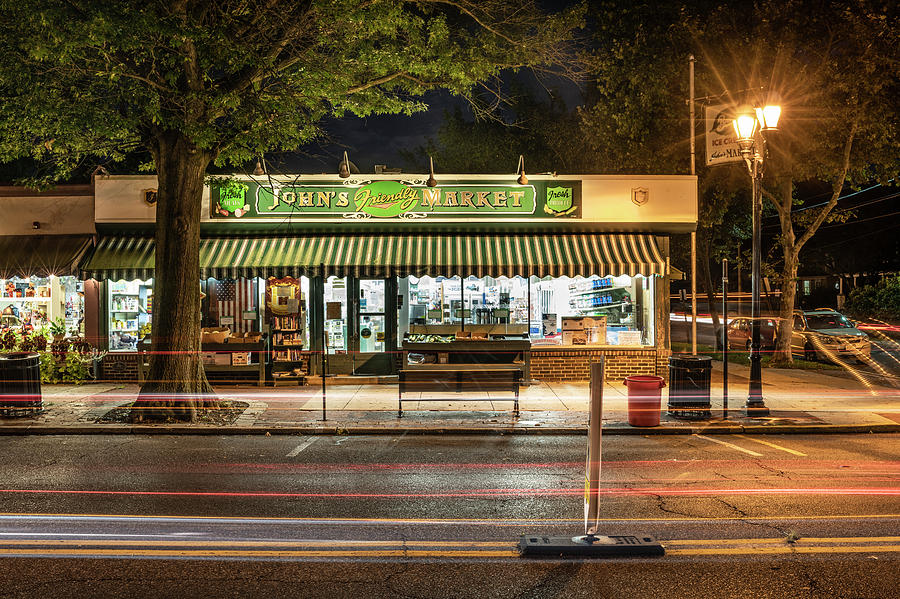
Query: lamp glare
{"type": "Point", "coordinates": [768, 117]}
{"type": "Point", "coordinates": [745, 126]}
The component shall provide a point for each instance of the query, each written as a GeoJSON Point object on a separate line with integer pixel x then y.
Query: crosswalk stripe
{"type": "Point", "coordinates": [295, 451]}
{"type": "Point", "coordinates": [731, 445]}
{"type": "Point", "coordinates": [774, 446]}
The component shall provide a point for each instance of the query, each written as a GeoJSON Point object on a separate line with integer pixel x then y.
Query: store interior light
{"type": "Point", "coordinates": [520, 170]}
{"type": "Point", "coordinates": [259, 171]}
{"type": "Point", "coordinates": [432, 182]}
{"type": "Point", "coordinates": [36, 225]}
{"type": "Point", "coordinates": [344, 167]}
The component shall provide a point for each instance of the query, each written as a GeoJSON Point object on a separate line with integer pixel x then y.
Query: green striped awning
{"type": "Point", "coordinates": [393, 255]}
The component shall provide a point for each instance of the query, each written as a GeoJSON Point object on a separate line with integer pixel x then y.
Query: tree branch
{"type": "Point", "coordinates": [375, 82]}
{"type": "Point", "coordinates": [459, 6]}
{"type": "Point", "coordinates": [775, 202]}
{"type": "Point", "coordinates": [836, 188]}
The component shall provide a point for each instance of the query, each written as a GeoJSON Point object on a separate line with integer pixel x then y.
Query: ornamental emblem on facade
{"type": "Point", "coordinates": [150, 197]}
{"type": "Point", "coordinates": [232, 200]}
{"type": "Point", "coordinates": [640, 195]}
{"type": "Point", "coordinates": [559, 201]}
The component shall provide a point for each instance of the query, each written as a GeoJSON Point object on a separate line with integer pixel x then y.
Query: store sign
{"type": "Point", "coordinates": [398, 200]}
{"type": "Point", "coordinates": [559, 200]}
{"type": "Point", "coordinates": [721, 142]}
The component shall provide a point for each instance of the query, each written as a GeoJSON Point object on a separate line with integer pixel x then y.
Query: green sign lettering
{"type": "Point", "coordinates": [395, 200]}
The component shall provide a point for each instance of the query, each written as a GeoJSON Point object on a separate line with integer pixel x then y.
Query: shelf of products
{"type": "Point", "coordinates": [601, 297]}
{"type": "Point", "coordinates": [129, 313]}
{"type": "Point", "coordinates": [285, 312]}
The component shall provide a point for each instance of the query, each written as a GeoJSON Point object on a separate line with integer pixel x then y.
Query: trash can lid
{"type": "Point", "coordinates": [690, 361]}
{"type": "Point", "coordinates": [19, 355]}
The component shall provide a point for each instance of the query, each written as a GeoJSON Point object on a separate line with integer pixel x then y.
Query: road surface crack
{"type": "Point", "coordinates": [553, 583]}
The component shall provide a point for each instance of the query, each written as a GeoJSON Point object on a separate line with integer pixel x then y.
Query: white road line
{"type": "Point", "coordinates": [731, 445]}
{"type": "Point", "coordinates": [301, 447]}
{"type": "Point", "coordinates": [791, 451]}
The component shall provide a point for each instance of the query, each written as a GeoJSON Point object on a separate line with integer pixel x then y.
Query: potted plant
{"type": "Point", "coordinates": [58, 329]}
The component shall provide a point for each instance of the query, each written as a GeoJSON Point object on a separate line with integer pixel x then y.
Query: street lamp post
{"type": "Point", "coordinates": [751, 127]}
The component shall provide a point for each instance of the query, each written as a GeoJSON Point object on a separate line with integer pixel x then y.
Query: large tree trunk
{"type": "Point", "coordinates": [786, 308]}
{"type": "Point", "coordinates": [176, 386]}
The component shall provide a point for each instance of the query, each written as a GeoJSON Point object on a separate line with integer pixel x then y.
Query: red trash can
{"type": "Point", "coordinates": [644, 399]}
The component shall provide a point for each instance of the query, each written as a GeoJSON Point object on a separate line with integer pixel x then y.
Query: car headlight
{"type": "Point", "coordinates": [828, 340]}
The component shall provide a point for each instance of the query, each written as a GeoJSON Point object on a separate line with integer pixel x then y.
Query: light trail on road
{"type": "Point", "coordinates": [478, 493]}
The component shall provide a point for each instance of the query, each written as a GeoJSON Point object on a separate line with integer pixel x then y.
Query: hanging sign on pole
{"type": "Point", "coordinates": [721, 141]}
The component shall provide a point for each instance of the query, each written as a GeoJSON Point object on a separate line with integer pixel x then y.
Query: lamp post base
{"type": "Point", "coordinates": [756, 408]}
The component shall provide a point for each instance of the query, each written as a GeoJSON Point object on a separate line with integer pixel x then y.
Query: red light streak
{"type": "Point", "coordinates": [475, 493]}
{"type": "Point", "coordinates": [697, 466]}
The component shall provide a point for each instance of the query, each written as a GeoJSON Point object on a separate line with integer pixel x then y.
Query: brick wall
{"type": "Point", "coordinates": [571, 364]}
{"type": "Point", "coordinates": [119, 367]}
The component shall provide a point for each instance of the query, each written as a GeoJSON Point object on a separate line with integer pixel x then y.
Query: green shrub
{"type": "Point", "coordinates": [879, 301]}
{"type": "Point", "coordinates": [68, 368]}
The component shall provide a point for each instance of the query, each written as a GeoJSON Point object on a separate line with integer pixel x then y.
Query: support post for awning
{"type": "Point", "coordinates": [528, 318]}
{"type": "Point", "coordinates": [462, 312]}
{"type": "Point", "coordinates": [324, 345]}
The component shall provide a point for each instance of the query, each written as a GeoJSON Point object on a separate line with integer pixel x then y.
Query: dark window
{"type": "Point", "coordinates": [818, 322]}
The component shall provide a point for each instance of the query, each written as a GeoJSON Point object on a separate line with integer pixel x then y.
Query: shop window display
{"type": "Point", "coordinates": [336, 314]}
{"type": "Point", "coordinates": [35, 302]}
{"type": "Point", "coordinates": [621, 304]}
{"type": "Point", "coordinates": [130, 313]}
{"type": "Point", "coordinates": [437, 300]}
{"type": "Point", "coordinates": [287, 317]}
{"type": "Point", "coordinates": [620, 308]}
{"type": "Point", "coordinates": [234, 304]}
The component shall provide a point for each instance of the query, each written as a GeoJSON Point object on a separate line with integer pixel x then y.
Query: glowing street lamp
{"type": "Point", "coordinates": [751, 126]}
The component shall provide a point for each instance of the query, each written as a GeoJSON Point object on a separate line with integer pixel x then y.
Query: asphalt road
{"type": "Point", "coordinates": [439, 516]}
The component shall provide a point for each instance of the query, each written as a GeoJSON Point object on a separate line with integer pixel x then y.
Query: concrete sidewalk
{"type": "Point", "coordinates": [800, 401]}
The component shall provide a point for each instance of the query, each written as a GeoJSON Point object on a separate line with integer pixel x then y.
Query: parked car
{"type": "Point", "coordinates": [825, 333]}
{"type": "Point", "coordinates": [739, 333]}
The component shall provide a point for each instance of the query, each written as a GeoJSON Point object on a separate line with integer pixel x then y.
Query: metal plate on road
{"type": "Point", "coordinates": [605, 546]}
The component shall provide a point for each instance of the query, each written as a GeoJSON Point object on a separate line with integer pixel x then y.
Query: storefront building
{"type": "Point", "coordinates": [368, 266]}
{"type": "Point", "coordinates": [43, 237]}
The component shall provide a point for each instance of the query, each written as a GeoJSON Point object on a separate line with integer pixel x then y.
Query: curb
{"type": "Point", "coordinates": [616, 429]}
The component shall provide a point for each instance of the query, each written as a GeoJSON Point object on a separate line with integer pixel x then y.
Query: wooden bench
{"type": "Point", "coordinates": [460, 378]}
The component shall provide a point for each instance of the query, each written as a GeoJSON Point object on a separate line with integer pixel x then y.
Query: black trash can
{"type": "Point", "coordinates": [689, 380]}
{"type": "Point", "coordinates": [20, 384]}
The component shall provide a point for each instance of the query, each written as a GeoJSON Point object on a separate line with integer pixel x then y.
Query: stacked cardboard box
{"type": "Point", "coordinates": [584, 330]}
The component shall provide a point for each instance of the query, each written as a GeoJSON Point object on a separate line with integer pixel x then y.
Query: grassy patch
{"type": "Point", "coordinates": [743, 358]}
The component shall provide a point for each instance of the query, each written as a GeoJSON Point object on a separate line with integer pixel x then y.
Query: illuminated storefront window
{"type": "Point", "coordinates": [35, 302]}
{"type": "Point", "coordinates": [130, 309]}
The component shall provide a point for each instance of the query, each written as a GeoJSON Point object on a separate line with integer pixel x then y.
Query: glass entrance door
{"type": "Point", "coordinates": [375, 333]}
{"type": "Point", "coordinates": [371, 315]}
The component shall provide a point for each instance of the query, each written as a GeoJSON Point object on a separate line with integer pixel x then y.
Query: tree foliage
{"type": "Point", "coordinates": [198, 83]}
{"type": "Point", "coordinates": [834, 65]}
{"type": "Point", "coordinates": [240, 78]}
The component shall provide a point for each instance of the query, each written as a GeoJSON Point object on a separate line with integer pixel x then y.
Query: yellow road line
{"type": "Point", "coordinates": [784, 550]}
{"type": "Point", "coordinates": [805, 541]}
{"type": "Point", "coordinates": [791, 451]}
{"type": "Point", "coordinates": [382, 553]}
{"type": "Point", "coordinates": [802, 540]}
{"type": "Point", "coordinates": [202, 543]}
{"type": "Point", "coordinates": [289, 553]}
